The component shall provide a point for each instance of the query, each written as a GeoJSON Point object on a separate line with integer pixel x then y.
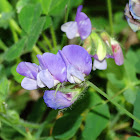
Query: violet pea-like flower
{"type": "Point", "coordinates": [78, 62]}
{"type": "Point", "coordinates": [30, 70]}
{"type": "Point", "coordinates": [53, 70]}
{"type": "Point", "coordinates": [134, 7]}
{"type": "Point", "coordinates": [80, 27]}
{"type": "Point", "coordinates": [58, 100]}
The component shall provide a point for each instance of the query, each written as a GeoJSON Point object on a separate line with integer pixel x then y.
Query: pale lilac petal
{"type": "Point", "coordinates": [73, 75]}
{"type": "Point", "coordinates": [29, 84]}
{"type": "Point", "coordinates": [39, 82]}
{"type": "Point", "coordinates": [27, 69]}
{"type": "Point", "coordinates": [118, 54]}
{"type": "Point", "coordinates": [56, 66]}
{"type": "Point", "coordinates": [46, 78]}
{"type": "Point", "coordinates": [101, 65]}
{"type": "Point", "coordinates": [78, 57]}
{"type": "Point", "coordinates": [84, 23]}
{"type": "Point", "coordinates": [70, 28]}
{"type": "Point", "coordinates": [58, 100]}
{"type": "Point", "coordinates": [134, 8]}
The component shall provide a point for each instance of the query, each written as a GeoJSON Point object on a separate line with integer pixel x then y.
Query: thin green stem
{"type": "Point", "coordinates": [110, 15]}
{"type": "Point", "coordinates": [37, 50]}
{"type": "Point", "coordinates": [53, 36]}
{"type": "Point", "coordinates": [40, 44]}
{"type": "Point", "coordinates": [28, 124]}
{"type": "Point", "coordinates": [47, 41]}
{"type": "Point", "coordinates": [65, 20]}
{"type": "Point", "coordinates": [3, 46]}
{"type": "Point", "coordinates": [113, 102]}
{"type": "Point", "coordinates": [4, 120]}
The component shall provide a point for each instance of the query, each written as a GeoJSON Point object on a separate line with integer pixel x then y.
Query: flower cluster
{"type": "Point", "coordinates": [102, 46]}
{"type": "Point", "coordinates": [71, 64]}
{"type": "Point", "coordinates": [132, 13]}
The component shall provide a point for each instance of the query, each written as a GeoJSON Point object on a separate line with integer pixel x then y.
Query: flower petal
{"type": "Point", "coordinates": [70, 28]}
{"type": "Point", "coordinates": [46, 78]}
{"type": "Point", "coordinates": [29, 84]}
{"type": "Point", "coordinates": [101, 65]}
{"type": "Point", "coordinates": [74, 75]}
{"type": "Point", "coordinates": [27, 69]}
{"type": "Point", "coordinates": [56, 66]}
{"type": "Point", "coordinates": [42, 61]}
{"type": "Point", "coordinates": [78, 57]}
{"type": "Point", "coordinates": [58, 101]}
{"type": "Point", "coordinates": [39, 82]}
{"type": "Point", "coordinates": [84, 23]}
{"type": "Point", "coordinates": [134, 7]}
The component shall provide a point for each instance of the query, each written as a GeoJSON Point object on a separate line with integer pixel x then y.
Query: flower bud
{"type": "Point", "coordinates": [117, 52]}
{"type": "Point", "coordinates": [100, 46]}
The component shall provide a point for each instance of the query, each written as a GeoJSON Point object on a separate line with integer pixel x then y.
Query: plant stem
{"type": "Point", "coordinates": [53, 36]}
{"type": "Point", "coordinates": [110, 16]}
{"type": "Point", "coordinates": [113, 102]}
{"type": "Point", "coordinates": [4, 120]}
{"type": "Point", "coordinates": [37, 50]}
{"type": "Point", "coordinates": [47, 41]}
{"type": "Point", "coordinates": [65, 20]}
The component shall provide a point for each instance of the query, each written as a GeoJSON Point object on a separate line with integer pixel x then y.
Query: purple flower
{"type": "Point", "coordinates": [80, 27]}
{"type": "Point", "coordinates": [53, 70]}
{"type": "Point", "coordinates": [101, 65]}
{"type": "Point", "coordinates": [78, 62]}
{"type": "Point", "coordinates": [131, 16]}
{"type": "Point", "coordinates": [117, 52]}
{"type": "Point", "coordinates": [117, 56]}
{"type": "Point", "coordinates": [30, 70]}
{"type": "Point", "coordinates": [58, 100]}
{"type": "Point", "coordinates": [134, 6]}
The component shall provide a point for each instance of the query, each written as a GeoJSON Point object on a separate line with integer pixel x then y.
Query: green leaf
{"type": "Point", "coordinates": [46, 5]}
{"type": "Point", "coordinates": [130, 95]}
{"type": "Point", "coordinates": [66, 127]}
{"type": "Point", "coordinates": [48, 22]}
{"type": "Point", "coordinates": [4, 86]}
{"type": "Point", "coordinates": [136, 112]}
{"type": "Point", "coordinates": [96, 121]}
{"type": "Point", "coordinates": [34, 34]}
{"type": "Point", "coordinates": [133, 138]}
{"type": "Point", "coordinates": [57, 6]}
{"type": "Point", "coordinates": [20, 4]}
{"type": "Point", "coordinates": [15, 51]}
{"type": "Point", "coordinates": [5, 6]}
{"type": "Point", "coordinates": [29, 15]}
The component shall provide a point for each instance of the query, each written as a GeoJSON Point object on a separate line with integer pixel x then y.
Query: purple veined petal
{"type": "Point", "coordinates": [132, 24]}
{"type": "Point", "coordinates": [46, 77]}
{"type": "Point", "coordinates": [78, 57]}
{"type": "Point", "coordinates": [101, 65]}
{"type": "Point", "coordinates": [84, 23]}
{"type": "Point", "coordinates": [71, 29]}
{"type": "Point", "coordinates": [56, 66]}
{"type": "Point", "coordinates": [58, 101]}
{"type": "Point", "coordinates": [74, 75]}
{"type": "Point", "coordinates": [29, 84]}
{"type": "Point", "coordinates": [28, 69]}
{"type": "Point", "coordinates": [134, 7]}
{"type": "Point", "coordinates": [42, 61]}
{"type": "Point", "coordinates": [118, 54]}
